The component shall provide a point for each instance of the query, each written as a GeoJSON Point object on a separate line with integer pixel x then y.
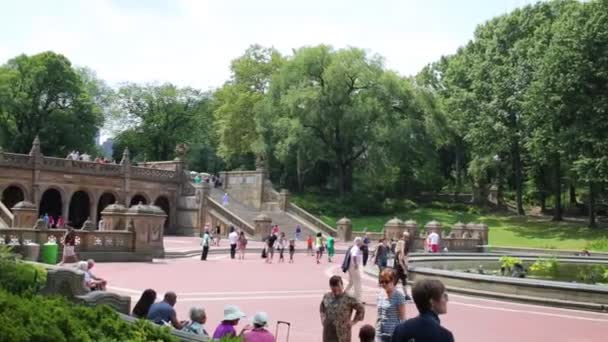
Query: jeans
{"type": "Point", "coordinates": [232, 251]}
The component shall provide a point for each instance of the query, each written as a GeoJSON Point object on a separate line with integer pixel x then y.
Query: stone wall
{"type": "Point", "coordinates": [245, 186]}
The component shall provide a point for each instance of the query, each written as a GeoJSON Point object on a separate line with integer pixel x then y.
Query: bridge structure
{"type": "Point", "coordinates": [79, 191]}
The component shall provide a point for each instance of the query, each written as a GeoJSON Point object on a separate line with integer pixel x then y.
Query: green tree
{"type": "Point", "coordinates": [158, 117]}
{"type": "Point", "coordinates": [43, 95]}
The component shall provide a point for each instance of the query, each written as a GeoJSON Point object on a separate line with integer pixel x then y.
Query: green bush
{"type": "Point", "coordinates": [598, 245]}
{"type": "Point", "coordinates": [37, 318]}
{"type": "Point", "coordinates": [19, 277]}
{"type": "Point", "coordinates": [593, 274]}
{"type": "Point", "coordinates": [508, 261]}
{"type": "Point", "coordinates": [545, 267]}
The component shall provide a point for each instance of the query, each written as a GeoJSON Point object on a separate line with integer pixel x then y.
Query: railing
{"type": "Point", "coordinates": [6, 215]}
{"type": "Point", "coordinates": [86, 241]}
{"type": "Point", "coordinates": [233, 218]}
{"type": "Point", "coordinates": [311, 218]}
{"type": "Point", "coordinates": [149, 173]}
{"type": "Point", "coordinates": [14, 159]}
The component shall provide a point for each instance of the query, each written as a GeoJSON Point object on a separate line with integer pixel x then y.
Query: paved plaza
{"type": "Point", "coordinates": [292, 292]}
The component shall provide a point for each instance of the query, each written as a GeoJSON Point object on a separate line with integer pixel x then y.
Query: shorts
{"type": "Point", "coordinates": [435, 248]}
{"type": "Point", "coordinates": [68, 251]}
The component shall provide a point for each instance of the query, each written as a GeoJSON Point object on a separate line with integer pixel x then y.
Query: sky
{"type": "Point", "coordinates": [191, 42]}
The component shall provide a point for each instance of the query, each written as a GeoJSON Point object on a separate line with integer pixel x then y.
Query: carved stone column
{"type": "Point", "coordinates": [284, 198]}
{"type": "Point", "coordinates": [345, 229]}
{"type": "Point", "coordinates": [394, 228]}
{"type": "Point", "coordinates": [262, 225]}
{"type": "Point", "coordinates": [25, 215]}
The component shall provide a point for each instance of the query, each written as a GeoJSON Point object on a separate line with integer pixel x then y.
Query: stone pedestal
{"type": "Point", "coordinates": [411, 227]}
{"type": "Point", "coordinates": [393, 229]}
{"type": "Point", "coordinates": [284, 198]}
{"type": "Point", "coordinates": [262, 225]}
{"type": "Point", "coordinates": [345, 229]}
{"type": "Point", "coordinates": [147, 222]}
{"type": "Point", "coordinates": [114, 217]}
{"type": "Point", "coordinates": [433, 226]}
{"type": "Point", "coordinates": [458, 230]}
{"type": "Point", "coordinates": [25, 215]}
{"type": "Point", "coordinates": [481, 231]}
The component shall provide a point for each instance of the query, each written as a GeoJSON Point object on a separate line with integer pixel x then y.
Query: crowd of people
{"type": "Point", "coordinates": [75, 155]}
{"type": "Point", "coordinates": [163, 313]}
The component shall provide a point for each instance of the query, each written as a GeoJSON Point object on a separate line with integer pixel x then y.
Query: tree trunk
{"type": "Point", "coordinates": [543, 202]}
{"type": "Point", "coordinates": [592, 222]}
{"type": "Point", "coordinates": [518, 177]}
{"type": "Point", "coordinates": [557, 212]}
{"type": "Point", "coordinates": [573, 195]}
{"type": "Point", "coordinates": [458, 174]}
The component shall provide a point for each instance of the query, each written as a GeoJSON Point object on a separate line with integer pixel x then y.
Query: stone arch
{"type": "Point", "coordinates": [105, 200]}
{"type": "Point", "coordinates": [80, 208]}
{"type": "Point", "coordinates": [163, 203]}
{"type": "Point", "coordinates": [13, 194]}
{"type": "Point", "coordinates": [135, 199]}
{"type": "Point", "coordinates": [51, 203]}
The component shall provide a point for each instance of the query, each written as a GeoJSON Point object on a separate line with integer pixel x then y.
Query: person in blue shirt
{"type": "Point", "coordinates": [163, 312]}
{"type": "Point", "coordinates": [431, 301]}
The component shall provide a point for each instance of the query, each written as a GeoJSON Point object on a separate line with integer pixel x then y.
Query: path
{"type": "Point", "coordinates": [292, 292]}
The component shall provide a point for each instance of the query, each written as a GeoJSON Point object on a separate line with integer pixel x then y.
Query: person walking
{"type": "Point", "coordinates": [431, 301]}
{"type": "Point", "coordinates": [309, 245]}
{"type": "Point", "coordinates": [205, 242]}
{"type": "Point", "coordinates": [272, 238]}
{"type": "Point", "coordinates": [319, 246]}
{"type": "Point", "coordinates": [69, 246]}
{"type": "Point", "coordinates": [282, 243]}
{"type": "Point", "coordinates": [60, 222]}
{"type": "Point", "coordinates": [365, 248]}
{"type": "Point", "coordinates": [217, 236]}
{"type": "Point", "coordinates": [233, 238]}
{"type": "Point", "coordinates": [241, 245]}
{"type": "Point", "coordinates": [391, 306]}
{"type": "Point", "coordinates": [45, 218]}
{"type": "Point", "coordinates": [331, 249]}
{"type": "Point", "coordinates": [292, 250]}
{"type": "Point", "coordinates": [354, 269]}
{"type": "Point", "coordinates": [298, 232]}
{"type": "Point", "coordinates": [433, 241]}
{"type": "Point", "coordinates": [225, 200]}
{"type": "Point", "coordinates": [380, 256]}
{"type": "Point", "coordinates": [336, 310]}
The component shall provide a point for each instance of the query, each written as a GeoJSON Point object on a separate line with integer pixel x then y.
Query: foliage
{"type": "Point", "coordinates": [593, 274]}
{"type": "Point", "coordinates": [44, 95]}
{"type": "Point", "coordinates": [19, 277]}
{"type": "Point", "coordinates": [598, 245]}
{"type": "Point", "coordinates": [545, 267]}
{"type": "Point", "coordinates": [508, 262]}
{"type": "Point", "coordinates": [37, 318]}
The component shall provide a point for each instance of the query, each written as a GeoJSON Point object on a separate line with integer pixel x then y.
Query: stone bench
{"type": "Point", "coordinates": [69, 282]}
{"type": "Point", "coordinates": [183, 336]}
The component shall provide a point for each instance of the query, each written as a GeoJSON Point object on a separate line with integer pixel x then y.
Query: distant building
{"type": "Point", "coordinates": [108, 147]}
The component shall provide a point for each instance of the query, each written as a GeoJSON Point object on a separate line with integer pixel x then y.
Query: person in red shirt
{"type": "Point", "coordinates": [309, 245]}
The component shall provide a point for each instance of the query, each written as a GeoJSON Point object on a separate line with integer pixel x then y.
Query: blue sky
{"type": "Point", "coordinates": [191, 43]}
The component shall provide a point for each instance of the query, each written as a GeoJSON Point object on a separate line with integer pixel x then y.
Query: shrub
{"type": "Point", "coordinates": [545, 267]}
{"type": "Point", "coordinates": [508, 261]}
{"type": "Point", "coordinates": [593, 274]}
{"type": "Point", "coordinates": [19, 277]}
{"type": "Point", "coordinates": [37, 318]}
{"type": "Point", "coordinates": [598, 245]}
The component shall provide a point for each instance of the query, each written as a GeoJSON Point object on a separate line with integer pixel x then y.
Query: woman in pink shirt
{"type": "Point", "coordinates": [259, 333]}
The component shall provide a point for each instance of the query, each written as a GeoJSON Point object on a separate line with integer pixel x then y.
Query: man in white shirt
{"type": "Point", "coordinates": [433, 242]}
{"type": "Point", "coordinates": [205, 242]}
{"type": "Point", "coordinates": [233, 237]}
{"type": "Point", "coordinates": [354, 269]}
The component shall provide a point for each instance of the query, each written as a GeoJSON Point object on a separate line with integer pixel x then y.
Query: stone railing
{"type": "Point", "coordinates": [230, 216]}
{"type": "Point", "coordinates": [292, 208]}
{"type": "Point", "coordinates": [6, 215]}
{"type": "Point", "coordinates": [86, 241]}
{"type": "Point", "coordinates": [16, 160]}
{"type": "Point", "coordinates": [153, 174]}
{"type": "Point", "coordinates": [269, 193]}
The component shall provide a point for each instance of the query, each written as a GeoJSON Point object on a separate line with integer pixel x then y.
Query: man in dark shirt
{"type": "Point", "coordinates": [431, 300]}
{"type": "Point", "coordinates": [270, 243]}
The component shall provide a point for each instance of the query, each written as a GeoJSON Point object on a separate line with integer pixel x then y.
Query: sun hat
{"type": "Point", "coordinates": [232, 312]}
{"type": "Point", "coordinates": [260, 318]}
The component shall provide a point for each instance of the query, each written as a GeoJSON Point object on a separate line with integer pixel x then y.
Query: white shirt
{"type": "Point", "coordinates": [356, 257]}
{"type": "Point", "coordinates": [233, 238]}
{"type": "Point", "coordinates": [434, 238]}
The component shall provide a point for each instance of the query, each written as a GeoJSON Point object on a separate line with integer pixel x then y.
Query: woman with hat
{"type": "Point", "coordinates": [259, 333]}
{"type": "Point", "coordinates": [232, 315]}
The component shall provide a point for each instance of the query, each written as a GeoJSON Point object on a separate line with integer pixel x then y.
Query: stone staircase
{"type": "Point", "coordinates": [6, 217]}
{"type": "Point", "coordinates": [287, 221]}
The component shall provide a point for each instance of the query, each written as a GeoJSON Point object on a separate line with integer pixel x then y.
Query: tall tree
{"type": "Point", "coordinates": [43, 95]}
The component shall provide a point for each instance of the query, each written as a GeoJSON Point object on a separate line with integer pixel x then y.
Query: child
{"type": "Point", "coordinates": [292, 250]}
{"type": "Point", "coordinates": [367, 333]}
{"type": "Point", "coordinates": [309, 245]}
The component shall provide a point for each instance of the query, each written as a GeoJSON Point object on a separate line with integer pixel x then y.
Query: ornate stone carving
{"type": "Point", "coordinates": [97, 241]}
{"type": "Point", "coordinates": [180, 151]}
{"type": "Point", "coordinates": [155, 234]}
{"type": "Point", "coordinates": [109, 242]}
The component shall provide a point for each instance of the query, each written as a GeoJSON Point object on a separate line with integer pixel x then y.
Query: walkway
{"type": "Point", "coordinates": [292, 292]}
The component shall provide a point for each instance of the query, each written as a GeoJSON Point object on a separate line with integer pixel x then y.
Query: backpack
{"type": "Point", "coordinates": [346, 261]}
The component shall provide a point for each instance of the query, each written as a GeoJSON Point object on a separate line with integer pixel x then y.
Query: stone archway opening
{"type": "Point", "coordinates": [51, 204]}
{"type": "Point", "coordinates": [138, 199]}
{"type": "Point", "coordinates": [80, 209]}
{"type": "Point", "coordinates": [12, 195]}
{"type": "Point", "coordinates": [163, 203]}
{"type": "Point", "coordinates": [105, 200]}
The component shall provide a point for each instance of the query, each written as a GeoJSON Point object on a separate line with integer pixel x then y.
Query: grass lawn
{"type": "Point", "coordinates": [505, 230]}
